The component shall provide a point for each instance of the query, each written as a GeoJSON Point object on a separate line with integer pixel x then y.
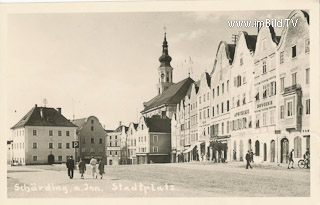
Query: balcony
{"type": "Point", "coordinates": [292, 89]}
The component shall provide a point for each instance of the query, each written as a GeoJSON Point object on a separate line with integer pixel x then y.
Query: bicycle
{"type": "Point", "coordinates": [304, 163]}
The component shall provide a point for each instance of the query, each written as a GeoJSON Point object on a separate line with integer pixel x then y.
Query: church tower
{"type": "Point", "coordinates": [165, 69]}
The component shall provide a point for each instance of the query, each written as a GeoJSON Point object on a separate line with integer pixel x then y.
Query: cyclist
{"type": "Point", "coordinates": [306, 156]}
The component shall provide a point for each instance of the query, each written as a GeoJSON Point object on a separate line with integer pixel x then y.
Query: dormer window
{"type": "Point", "coordinates": [294, 51]}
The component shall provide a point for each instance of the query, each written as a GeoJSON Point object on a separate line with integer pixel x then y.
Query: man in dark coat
{"type": "Point", "coordinates": [70, 166]}
{"type": "Point", "coordinates": [248, 158]}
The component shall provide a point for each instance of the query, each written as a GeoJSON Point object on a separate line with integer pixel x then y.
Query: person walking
{"type": "Point", "coordinates": [93, 163]}
{"type": "Point", "coordinates": [101, 168]}
{"type": "Point", "coordinates": [251, 156]}
{"type": "Point", "coordinates": [248, 159]}
{"type": "Point", "coordinates": [82, 168]}
{"type": "Point", "coordinates": [291, 159]}
{"type": "Point", "coordinates": [70, 166]}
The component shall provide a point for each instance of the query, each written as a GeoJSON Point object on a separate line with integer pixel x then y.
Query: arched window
{"type": "Point", "coordinates": [257, 148]}
{"type": "Point", "coordinates": [297, 147]}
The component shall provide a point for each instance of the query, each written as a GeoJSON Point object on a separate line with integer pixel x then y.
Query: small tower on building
{"type": "Point", "coordinates": [165, 69]}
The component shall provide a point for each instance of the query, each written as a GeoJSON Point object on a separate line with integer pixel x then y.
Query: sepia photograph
{"type": "Point", "coordinates": [136, 102]}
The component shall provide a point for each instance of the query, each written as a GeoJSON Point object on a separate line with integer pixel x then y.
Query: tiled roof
{"type": "Point", "coordinates": [79, 122]}
{"type": "Point", "coordinates": [108, 131]}
{"type": "Point", "coordinates": [158, 124]}
{"type": "Point", "coordinates": [50, 117]}
{"type": "Point", "coordinates": [251, 41]}
{"type": "Point", "coordinates": [173, 95]}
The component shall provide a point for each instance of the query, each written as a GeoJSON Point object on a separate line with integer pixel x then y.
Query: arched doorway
{"type": "Point", "coordinates": [284, 150]}
{"type": "Point", "coordinates": [110, 162]}
{"type": "Point", "coordinates": [264, 152]}
{"type": "Point", "coordinates": [241, 150]}
{"type": "Point", "coordinates": [273, 151]}
{"type": "Point", "coordinates": [235, 150]}
{"type": "Point", "coordinates": [50, 159]}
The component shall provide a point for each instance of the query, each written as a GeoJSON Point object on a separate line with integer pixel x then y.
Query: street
{"type": "Point", "coordinates": [160, 180]}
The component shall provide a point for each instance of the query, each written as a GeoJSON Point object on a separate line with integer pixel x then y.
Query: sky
{"type": "Point", "coordinates": [105, 64]}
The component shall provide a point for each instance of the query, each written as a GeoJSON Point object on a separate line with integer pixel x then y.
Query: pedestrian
{"type": "Point", "coordinates": [291, 159]}
{"type": "Point", "coordinates": [70, 166]}
{"type": "Point", "coordinates": [248, 159]}
{"type": "Point", "coordinates": [234, 155]}
{"type": "Point", "coordinates": [82, 167]}
{"type": "Point", "coordinates": [251, 156]}
{"type": "Point", "coordinates": [101, 168]}
{"type": "Point", "coordinates": [93, 163]}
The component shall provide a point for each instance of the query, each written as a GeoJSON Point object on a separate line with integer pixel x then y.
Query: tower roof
{"type": "Point", "coordinates": [165, 59]}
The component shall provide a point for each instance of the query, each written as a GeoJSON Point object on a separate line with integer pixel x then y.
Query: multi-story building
{"type": "Point", "coordinates": [113, 149]}
{"type": "Point", "coordinates": [293, 56]}
{"type": "Point", "coordinates": [9, 151]}
{"type": "Point", "coordinates": [124, 146]}
{"type": "Point", "coordinates": [91, 136]}
{"type": "Point", "coordinates": [266, 96]}
{"type": "Point", "coordinates": [43, 136]}
{"type": "Point", "coordinates": [220, 100]}
{"type": "Point", "coordinates": [132, 143]}
{"type": "Point", "coordinates": [204, 116]}
{"type": "Point", "coordinates": [153, 140]}
{"type": "Point", "coordinates": [241, 96]}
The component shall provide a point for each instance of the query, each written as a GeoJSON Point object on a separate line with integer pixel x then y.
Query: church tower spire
{"type": "Point", "coordinates": [165, 69]}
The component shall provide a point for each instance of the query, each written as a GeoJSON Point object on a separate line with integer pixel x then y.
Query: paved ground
{"type": "Point", "coordinates": [161, 180]}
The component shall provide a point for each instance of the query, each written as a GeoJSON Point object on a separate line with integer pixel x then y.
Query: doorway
{"type": "Point", "coordinates": [284, 150]}
{"type": "Point", "coordinates": [264, 152]}
{"type": "Point", "coordinates": [241, 150]}
{"type": "Point", "coordinates": [50, 159]}
{"type": "Point", "coordinates": [110, 162]}
{"type": "Point", "coordinates": [273, 151]}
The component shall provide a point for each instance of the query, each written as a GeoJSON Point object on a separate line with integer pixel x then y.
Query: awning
{"type": "Point", "coordinates": [192, 146]}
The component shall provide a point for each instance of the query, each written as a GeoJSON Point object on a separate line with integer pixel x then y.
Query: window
{"type": "Point", "coordinates": [34, 158]}
{"type": "Point", "coordinates": [204, 97]}
{"type": "Point", "coordinates": [222, 88]}
{"type": "Point", "coordinates": [208, 111]}
{"type": "Point", "coordinates": [92, 121]}
{"type": "Point", "coordinates": [110, 144]}
{"type": "Point", "coordinates": [238, 81]}
{"type": "Point", "coordinates": [257, 120]}
{"type": "Point", "coordinates": [308, 76]}
{"type": "Point", "coordinates": [241, 59]}
{"type": "Point", "coordinates": [228, 106]}
{"type": "Point", "coordinates": [273, 89]}
{"type": "Point", "coordinates": [308, 107]}
{"type": "Point", "coordinates": [59, 145]}
{"type": "Point", "coordinates": [297, 147]}
{"type": "Point", "coordinates": [110, 137]}
{"type": "Point", "coordinates": [218, 91]}
{"type": "Point", "coordinates": [50, 133]}
{"type": "Point", "coordinates": [155, 138]}
{"type": "Point", "coordinates": [50, 145]}
{"type": "Point", "coordinates": [294, 78]}
{"type": "Point", "coordinates": [92, 140]}
{"type": "Point", "coordinates": [92, 128]}
{"type": "Point", "coordinates": [282, 84]}
{"type": "Point", "coordinates": [110, 153]}
{"type": "Point", "coordinates": [265, 91]}
{"type": "Point", "coordinates": [34, 132]}
{"type": "Point", "coordinates": [281, 57]}
{"type": "Point", "coordinates": [213, 111]}
{"type": "Point", "coordinates": [60, 158]}
{"type": "Point", "coordinates": [244, 99]}
{"type": "Point", "coordinates": [212, 93]}
{"type": "Point", "coordinates": [222, 128]}
{"type": "Point", "coordinates": [116, 153]}
{"type": "Point", "coordinates": [59, 133]}
{"type": "Point", "coordinates": [257, 148]}
{"type": "Point", "coordinates": [227, 85]}
{"type": "Point", "coordinates": [155, 149]}
{"type": "Point", "coordinates": [289, 108]}
{"type": "Point", "coordinates": [221, 107]}
{"type": "Point", "coordinates": [200, 115]}
{"type": "Point", "coordinates": [272, 117]}
{"type": "Point", "coordinates": [244, 78]}
{"type": "Point", "coordinates": [34, 145]}
{"type": "Point", "coordinates": [100, 140]}
{"type": "Point", "coordinates": [67, 133]}
{"type": "Point", "coordinates": [228, 124]}
{"type": "Point", "coordinates": [116, 137]}
{"type": "Point", "coordinates": [264, 66]}
{"type": "Point", "coordinates": [116, 144]}
{"type": "Point", "coordinates": [145, 138]}
{"type": "Point", "coordinates": [294, 51]}
{"type": "Point", "coordinates": [281, 112]}
{"type": "Point", "coordinates": [217, 109]}
{"type": "Point", "coordinates": [67, 145]}
{"type": "Point", "coordinates": [307, 46]}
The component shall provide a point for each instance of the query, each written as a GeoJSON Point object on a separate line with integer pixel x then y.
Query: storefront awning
{"type": "Point", "coordinates": [192, 146]}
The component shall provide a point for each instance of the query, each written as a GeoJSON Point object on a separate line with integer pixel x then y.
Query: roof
{"type": "Point", "coordinates": [50, 117]}
{"type": "Point", "coordinates": [108, 131]}
{"type": "Point", "coordinates": [173, 95]}
{"type": "Point", "coordinates": [119, 129]}
{"type": "Point", "coordinates": [135, 125]}
{"type": "Point", "coordinates": [158, 124]}
{"type": "Point", "coordinates": [250, 41]}
{"type": "Point", "coordinates": [79, 122]}
{"type": "Point", "coordinates": [9, 141]}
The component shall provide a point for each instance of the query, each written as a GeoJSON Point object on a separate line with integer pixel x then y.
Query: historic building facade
{"type": "Point", "coordinates": [91, 136]}
{"type": "Point", "coordinates": [293, 57]}
{"type": "Point", "coordinates": [43, 136]}
{"type": "Point", "coordinates": [132, 143]}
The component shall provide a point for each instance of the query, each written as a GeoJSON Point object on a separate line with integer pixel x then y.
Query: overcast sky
{"type": "Point", "coordinates": [105, 64]}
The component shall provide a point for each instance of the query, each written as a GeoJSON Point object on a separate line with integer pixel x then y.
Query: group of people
{"type": "Point", "coordinates": [306, 156]}
{"type": "Point", "coordinates": [82, 167]}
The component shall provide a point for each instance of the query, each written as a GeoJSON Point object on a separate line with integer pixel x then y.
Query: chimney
{"type": "Point", "coordinates": [41, 112]}
{"type": "Point", "coordinates": [59, 110]}
{"type": "Point", "coordinates": [120, 123]}
{"type": "Point", "coordinates": [36, 105]}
